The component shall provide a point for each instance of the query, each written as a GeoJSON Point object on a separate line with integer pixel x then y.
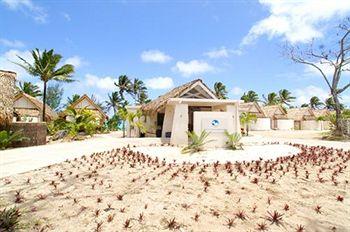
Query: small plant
{"type": "Point", "coordinates": [141, 217]}
{"type": "Point", "coordinates": [262, 226]}
{"type": "Point", "coordinates": [127, 224]}
{"type": "Point", "coordinates": [7, 138]}
{"type": "Point", "coordinates": [230, 222]}
{"type": "Point", "coordinates": [233, 141]}
{"type": "Point", "coordinates": [300, 228]}
{"type": "Point", "coordinates": [340, 198]}
{"type": "Point", "coordinates": [274, 218]}
{"type": "Point", "coordinates": [197, 142]}
{"type": "Point", "coordinates": [110, 217]}
{"type": "Point", "coordinates": [9, 219]}
{"type": "Point", "coordinates": [172, 224]}
{"type": "Point", "coordinates": [120, 197]}
{"type": "Point", "coordinates": [196, 217]}
{"type": "Point", "coordinates": [318, 209]}
{"type": "Point", "coordinates": [241, 215]}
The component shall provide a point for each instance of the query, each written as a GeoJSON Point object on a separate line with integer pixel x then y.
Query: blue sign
{"type": "Point", "coordinates": [215, 122]}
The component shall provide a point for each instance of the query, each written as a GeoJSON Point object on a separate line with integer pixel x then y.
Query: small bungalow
{"type": "Point", "coordinates": [306, 118]}
{"type": "Point", "coordinates": [278, 117]}
{"type": "Point", "coordinates": [29, 109]}
{"type": "Point", "coordinates": [190, 107]}
{"type": "Point", "coordinates": [262, 121]}
{"type": "Point", "coordinates": [85, 102]}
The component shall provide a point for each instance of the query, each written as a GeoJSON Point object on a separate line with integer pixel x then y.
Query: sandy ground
{"type": "Point", "coordinates": [20, 160]}
{"type": "Point", "coordinates": [127, 191]}
{"type": "Point", "coordinates": [249, 153]}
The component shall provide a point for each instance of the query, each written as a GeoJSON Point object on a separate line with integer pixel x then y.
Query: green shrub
{"type": "Point", "coordinates": [197, 142]}
{"type": "Point", "coordinates": [7, 138]}
{"type": "Point", "coordinates": [9, 219]}
{"type": "Point", "coordinates": [233, 140]}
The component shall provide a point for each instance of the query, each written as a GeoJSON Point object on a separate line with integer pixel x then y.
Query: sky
{"type": "Point", "coordinates": [168, 43]}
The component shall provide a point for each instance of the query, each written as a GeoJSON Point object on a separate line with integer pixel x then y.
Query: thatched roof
{"type": "Point", "coordinates": [177, 92]}
{"type": "Point", "coordinates": [97, 108]}
{"type": "Point", "coordinates": [49, 113]}
{"type": "Point", "coordinates": [275, 111]}
{"type": "Point", "coordinates": [252, 107]}
{"type": "Point", "coordinates": [301, 114]}
{"type": "Point", "coordinates": [321, 112]}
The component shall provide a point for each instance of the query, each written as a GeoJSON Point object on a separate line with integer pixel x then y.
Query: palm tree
{"type": "Point", "coordinates": [246, 119]}
{"type": "Point", "coordinates": [220, 90]}
{"type": "Point", "coordinates": [285, 97]}
{"type": "Point", "coordinates": [250, 96]}
{"type": "Point", "coordinates": [330, 104]}
{"type": "Point", "coordinates": [114, 101]}
{"type": "Point", "coordinates": [45, 67]}
{"type": "Point", "coordinates": [315, 103]}
{"type": "Point", "coordinates": [124, 85]}
{"type": "Point", "coordinates": [71, 100]}
{"type": "Point", "coordinates": [272, 99]}
{"type": "Point", "coordinates": [139, 91]}
{"type": "Point", "coordinates": [30, 89]}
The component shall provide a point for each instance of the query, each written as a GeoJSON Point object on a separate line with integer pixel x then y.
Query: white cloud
{"type": "Point", "coordinates": [222, 52]}
{"type": "Point", "coordinates": [155, 56]}
{"type": "Point", "coordinates": [237, 91]}
{"type": "Point", "coordinates": [66, 16]}
{"type": "Point", "coordinates": [159, 83]}
{"type": "Point", "coordinates": [303, 95]}
{"type": "Point", "coordinates": [11, 43]}
{"type": "Point", "coordinates": [296, 21]}
{"type": "Point", "coordinates": [193, 67]}
{"type": "Point", "coordinates": [7, 59]}
{"type": "Point", "coordinates": [106, 83]}
{"type": "Point", "coordinates": [76, 61]}
{"type": "Point", "coordinates": [27, 6]}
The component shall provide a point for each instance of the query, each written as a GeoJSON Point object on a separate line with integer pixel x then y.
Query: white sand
{"type": "Point", "coordinates": [253, 152]}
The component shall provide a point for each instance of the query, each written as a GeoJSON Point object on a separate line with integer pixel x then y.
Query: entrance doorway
{"type": "Point", "coordinates": [160, 120]}
{"type": "Point", "coordinates": [192, 109]}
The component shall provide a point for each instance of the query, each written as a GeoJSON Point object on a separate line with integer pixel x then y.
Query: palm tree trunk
{"type": "Point", "coordinates": [44, 103]}
{"type": "Point", "coordinates": [123, 128]}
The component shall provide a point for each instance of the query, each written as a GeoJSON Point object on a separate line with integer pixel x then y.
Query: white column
{"type": "Point", "coordinates": [180, 125]}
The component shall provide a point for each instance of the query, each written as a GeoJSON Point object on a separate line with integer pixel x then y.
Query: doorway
{"type": "Point", "coordinates": [160, 120]}
{"type": "Point", "coordinates": [191, 110]}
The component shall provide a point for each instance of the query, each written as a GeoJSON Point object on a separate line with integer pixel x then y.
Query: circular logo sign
{"type": "Point", "coordinates": [215, 122]}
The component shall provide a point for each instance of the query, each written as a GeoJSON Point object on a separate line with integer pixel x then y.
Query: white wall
{"type": "Point", "coordinates": [180, 125]}
{"type": "Point", "coordinates": [314, 125]}
{"type": "Point", "coordinates": [23, 103]}
{"type": "Point", "coordinates": [261, 124]}
{"type": "Point", "coordinates": [204, 121]}
{"type": "Point", "coordinates": [285, 124]}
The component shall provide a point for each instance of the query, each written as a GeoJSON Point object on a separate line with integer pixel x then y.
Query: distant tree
{"type": "Point", "coordinates": [114, 102]}
{"type": "Point", "coordinates": [285, 97]}
{"type": "Point", "coordinates": [139, 91]}
{"type": "Point", "coordinates": [124, 85]}
{"type": "Point", "coordinates": [54, 96]}
{"type": "Point", "coordinates": [45, 66]}
{"type": "Point", "coordinates": [321, 58]}
{"type": "Point", "coordinates": [315, 103]}
{"type": "Point", "coordinates": [305, 105]}
{"type": "Point", "coordinates": [271, 99]}
{"type": "Point", "coordinates": [250, 96]}
{"type": "Point", "coordinates": [330, 104]}
{"type": "Point", "coordinates": [99, 103]}
{"type": "Point", "coordinates": [30, 89]}
{"type": "Point", "coordinates": [71, 100]}
{"type": "Point", "coordinates": [220, 90]}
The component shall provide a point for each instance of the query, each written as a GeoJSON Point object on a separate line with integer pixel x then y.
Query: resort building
{"type": "Point", "coordinates": [29, 109]}
{"type": "Point", "coordinates": [262, 121]}
{"type": "Point", "coordinates": [278, 117]}
{"type": "Point", "coordinates": [308, 119]}
{"type": "Point", "coordinates": [85, 102]}
{"type": "Point", "coordinates": [190, 107]}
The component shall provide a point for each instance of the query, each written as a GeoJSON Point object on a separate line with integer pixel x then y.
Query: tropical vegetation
{"type": "Point", "coordinates": [250, 96]}
{"type": "Point", "coordinates": [29, 88]}
{"type": "Point", "coordinates": [197, 142]}
{"type": "Point", "coordinates": [45, 67]}
{"type": "Point", "coordinates": [246, 119]}
{"type": "Point", "coordinates": [7, 138]}
{"type": "Point", "coordinates": [10, 219]}
{"type": "Point", "coordinates": [233, 140]}
{"type": "Point", "coordinates": [220, 90]}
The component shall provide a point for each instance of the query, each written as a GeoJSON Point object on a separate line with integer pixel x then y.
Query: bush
{"type": "Point", "coordinates": [233, 140]}
{"type": "Point", "coordinates": [9, 219]}
{"type": "Point", "coordinates": [197, 142]}
{"type": "Point", "coordinates": [7, 138]}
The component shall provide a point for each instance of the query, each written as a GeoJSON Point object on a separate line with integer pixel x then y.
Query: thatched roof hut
{"type": "Point", "coordinates": [275, 111]}
{"type": "Point", "coordinates": [7, 94]}
{"type": "Point", "coordinates": [301, 114]}
{"type": "Point", "coordinates": [252, 107]}
{"type": "Point", "coordinates": [194, 89]}
{"type": "Point", "coordinates": [26, 105]}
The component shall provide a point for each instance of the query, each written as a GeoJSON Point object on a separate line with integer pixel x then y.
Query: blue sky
{"type": "Point", "coordinates": [167, 44]}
